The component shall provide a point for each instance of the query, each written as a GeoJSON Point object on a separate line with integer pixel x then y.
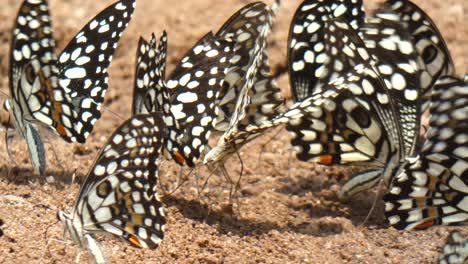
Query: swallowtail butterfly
{"type": "Point", "coordinates": [432, 187]}
{"type": "Point", "coordinates": [62, 93]}
{"type": "Point", "coordinates": [309, 62]}
{"type": "Point", "coordinates": [367, 116]}
{"type": "Point", "coordinates": [252, 96]}
{"type": "Point", "coordinates": [188, 97]}
{"type": "Point", "coordinates": [119, 195]}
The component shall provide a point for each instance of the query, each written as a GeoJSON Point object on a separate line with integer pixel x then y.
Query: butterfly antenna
{"type": "Point", "coordinates": [179, 182]}
{"type": "Point", "coordinates": [237, 186]}
{"type": "Point", "coordinates": [114, 113]}
{"type": "Point", "coordinates": [208, 178]}
{"type": "Point", "coordinates": [264, 145]}
{"type": "Point", "coordinates": [55, 153]}
{"type": "Point", "coordinates": [52, 239]}
{"type": "Point", "coordinates": [290, 157]}
{"type": "Point", "coordinates": [4, 94]}
{"type": "Point", "coordinates": [8, 138]}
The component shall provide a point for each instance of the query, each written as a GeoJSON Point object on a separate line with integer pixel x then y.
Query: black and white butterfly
{"type": "Point", "coordinates": [357, 117]}
{"type": "Point", "coordinates": [455, 250]}
{"type": "Point", "coordinates": [251, 94]}
{"type": "Point", "coordinates": [188, 98]}
{"type": "Point", "coordinates": [119, 195]}
{"type": "Point", "coordinates": [309, 60]}
{"type": "Point", "coordinates": [397, 54]}
{"type": "Point", "coordinates": [62, 93]}
{"type": "Point", "coordinates": [426, 37]}
{"type": "Point", "coordinates": [432, 187]}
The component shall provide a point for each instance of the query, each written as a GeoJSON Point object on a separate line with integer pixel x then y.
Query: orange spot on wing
{"type": "Point", "coordinates": [134, 241]}
{"type": "Point", "coordinates": [325, 159]}
{"type": "Point", "coordinates": [179, 157]}
{"type": "Point", "coordinates": [425, 224]}
{"type": "Point", "coordinates": [61, 129]}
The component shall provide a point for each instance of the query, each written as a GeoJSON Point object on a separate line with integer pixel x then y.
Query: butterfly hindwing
{"type": "Point", "coordinates": [432, 188]}
{"type": "Point", "coordinates": [119, 195]}
{"type": "Point", "coordinates": [455, 250]}
{"type": "Point", "coordinates": [307, 53]}
{"type": "Point", "coordinates": [427, 39]}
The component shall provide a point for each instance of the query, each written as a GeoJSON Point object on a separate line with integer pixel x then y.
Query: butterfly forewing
{"type": "Point", "coordinates": [427, 39]}
{"type": "Point", "coordinates": [257, 97]}
{"type": "Point", "coordinates": [119, 195]}
{"type": "Point", "coordinates": [83, 77]}
{"type": "Point", "coordinates": [244, 28]}
{"type": "Point", "coordinates": [148, 94]}
{"type": "Point", "coordinates": [194, 86]}
{"type": "Point", "coordinates": [142, 80]}
{"type": "Point", "coordinates": [32, 37]}
{"type": "Point", "coordinates": [432, 189]}
{"type": "Point", "coordinates": [307, 54]}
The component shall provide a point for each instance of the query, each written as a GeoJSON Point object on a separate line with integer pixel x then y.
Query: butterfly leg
{"type": "Point", "coordinates": [54, 153]}
{"type": "Point", "coordinates": [181, 179]}
{"type": "Point", "coordinates": [9, 136]}
{"type": "Point", "coordinates": [95, 249]}
{"type": "Point", "coordinates": [264, 145]}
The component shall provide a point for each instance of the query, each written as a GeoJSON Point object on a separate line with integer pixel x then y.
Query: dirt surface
{"type": "Point", "coordinates": [285, 212]}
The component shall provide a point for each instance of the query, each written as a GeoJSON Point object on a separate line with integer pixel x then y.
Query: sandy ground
{"type": "Point", "coordinates": [285, 212]}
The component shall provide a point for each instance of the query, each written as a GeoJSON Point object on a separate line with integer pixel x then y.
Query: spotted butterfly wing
{"type": "Point", "coordinates": [432, 188]}
{"type": "Point", "coordinates": [308, 56]}
{"type": "Point", "coordinates": [38, 98]}
{"type": "Point", "coordinates": [149, 94]}
{"type": "Point", "coordinates": [455, 250]}
{"type": "Point", "coordinates": [427, 39]}
{"type": "Point", "coordinates": [245, 28]}
{"type": "Point", "coordinates": [32, 37]}
{"type": "Point", "coordinates": [82, 72]}
{"type": "Point", "coordinates": [353, 120]}
{"type": "Point", "coordinates": [192, 90]}
{"type": "Point", "coordinates": [31, 51]}
{"type": "Point", "coordinates": [142, 79]}
{"type": "Point", "coordinates": [119, 195]}
{"type": "Point", "coordinates": [398, 63]}
{"type": "Point", "coordinates": [258, 97]}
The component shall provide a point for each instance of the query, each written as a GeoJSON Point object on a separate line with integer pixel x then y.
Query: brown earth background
{"type": "Point", "coordinates": [284, 212]}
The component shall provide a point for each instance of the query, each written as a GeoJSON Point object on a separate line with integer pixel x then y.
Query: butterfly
{"type": "Point", "coordinates": [188, 97]}
{"type": "Point", "coordinates": [251, 94]}
{"type": "Point", "coordinates": [62, 93]}
{"type": "Point", "coordinates": [455, 250]}
{"type": "Point", "coordinates": [359, 117]}
{"type": "Point", "coordinates": [432, 187]}
{"type": "Point", "coordinates": [119, 195]}
{"type": "Point", "coordinates": [309, 62]}
{"type": "Point", "coordinates": [426, 37]}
